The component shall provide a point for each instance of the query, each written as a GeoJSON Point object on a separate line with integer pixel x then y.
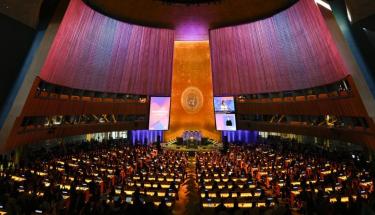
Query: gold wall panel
{"type": "Point", "coordinates": [192, 94]}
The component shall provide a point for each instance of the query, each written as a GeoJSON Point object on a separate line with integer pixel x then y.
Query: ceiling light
{"type": "Point", "coordinates": [349, 15]}
{"type": "Point", "coordinates": [323, 4]}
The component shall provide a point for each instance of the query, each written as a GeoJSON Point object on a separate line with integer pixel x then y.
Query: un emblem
{"type": "Point", "coordinates": [192, 100]}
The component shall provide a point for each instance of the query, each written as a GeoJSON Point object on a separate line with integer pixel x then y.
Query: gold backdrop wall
{"type": "Point", "coordinates": [192, 95]}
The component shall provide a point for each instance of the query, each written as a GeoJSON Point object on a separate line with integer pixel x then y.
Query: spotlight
{"type": "Point", "coordinates": [323, 4]}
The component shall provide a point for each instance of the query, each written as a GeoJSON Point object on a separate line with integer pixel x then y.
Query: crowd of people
{"type": "Point", "coordinates": [110, 177]}
{"type": "Point", "coordinates": [272, 176]}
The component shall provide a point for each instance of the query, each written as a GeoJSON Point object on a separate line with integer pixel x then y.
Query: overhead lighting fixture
{"type": "Point", "coordinates": [349, 15]}
{"type": "Point", "coordinates": [323, 4]}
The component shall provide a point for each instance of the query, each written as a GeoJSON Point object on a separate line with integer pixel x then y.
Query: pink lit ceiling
{"type": "Point", "coordinates": [190, 22]}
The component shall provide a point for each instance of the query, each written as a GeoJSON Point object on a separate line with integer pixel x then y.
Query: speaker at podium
{"type": "Point", "coordinates": [180, 141]}
{"type": "Point", "coordinates": [204, 141]}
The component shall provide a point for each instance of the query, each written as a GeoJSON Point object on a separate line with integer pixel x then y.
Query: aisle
{"type": "Point", "coordinates": [188, 202]}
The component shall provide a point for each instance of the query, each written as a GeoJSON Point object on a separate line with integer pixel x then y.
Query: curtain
{"type": "Point", "coordinates": [95, 52]}
{"type": "Point", "coordinates": [288, 51]}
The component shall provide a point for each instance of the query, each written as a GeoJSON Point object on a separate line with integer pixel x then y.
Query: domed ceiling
{"type": "Point", "coordinates": [191, 21]}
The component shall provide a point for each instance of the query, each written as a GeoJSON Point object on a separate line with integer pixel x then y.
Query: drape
{"type": "Point", "coordinates": [95, 52]}
{"type": "Point", "coordinates": [242, 136]}
{"type": "Point", "coordinates": [288, 51]}
{"type": "Point", "coordinates": [145, 136]}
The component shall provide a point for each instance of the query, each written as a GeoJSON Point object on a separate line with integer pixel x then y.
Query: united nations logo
{"type": "Point", "coordinates": [192, 100]}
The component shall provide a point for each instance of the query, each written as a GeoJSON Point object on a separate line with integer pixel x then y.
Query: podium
{"type": "Point", "coordinates": [192, 141]}
{"type": "Point", "coordinates": [179, 141]}
{"type": "Point", "coordinates": [192, 136]}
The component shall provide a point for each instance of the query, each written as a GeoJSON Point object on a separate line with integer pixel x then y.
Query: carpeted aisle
{"type": "Point", "coordinates": [188, 202]}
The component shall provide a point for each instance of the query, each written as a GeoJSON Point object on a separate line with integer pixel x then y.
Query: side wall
{"type": "Point", "coordinates": [16, 40]}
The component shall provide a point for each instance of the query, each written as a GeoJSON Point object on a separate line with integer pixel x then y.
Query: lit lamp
{"type": "Point", "coordinates": [224, 195]}
{"type": "Point", "coordinates": [129, 192]}
{"type": "Point", "coordinates": [332, 200]}
{"type": "Point", "coordinates": [245, 205]}
{"type": "Point", "coordinates": [246, 194]}
{"type": "Point", "coordinates": [165, 186]}
{"type": "Point", "coordinates": [150, 193]}
{"type": "Point", "coordinates": [229, 205]}
{"type": "Point", "coordinates": [161, 194]}
{"type": "Point", "coordinates": [330, 121]}
{"type": "Point", "coordinates": [344, 199]}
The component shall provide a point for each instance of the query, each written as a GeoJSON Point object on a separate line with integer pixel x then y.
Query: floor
{"type": "Point", "coordinates": [188, 202]}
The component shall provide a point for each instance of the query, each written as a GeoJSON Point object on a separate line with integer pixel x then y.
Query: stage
{"type": "Point", "coordinates": [192, 141]}
{"type": "Point", "coordinates": [192, 147]}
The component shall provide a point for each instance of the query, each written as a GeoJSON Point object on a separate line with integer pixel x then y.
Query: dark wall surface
{"type": "Point", "coordinates": [15, 42]}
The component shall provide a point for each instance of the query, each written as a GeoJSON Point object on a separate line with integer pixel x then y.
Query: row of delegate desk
{"type": "Point", "coordinates": [153, 186]}
{"type": "Point", "coordinates": [229, 187]}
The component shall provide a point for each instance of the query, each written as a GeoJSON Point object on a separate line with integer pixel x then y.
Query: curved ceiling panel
{"type": "Point", "coordinates": [289, 51]}
{"type": "Point", "coordinates": [94, 52]}
{"type": "Point", "coordinates": [189, 19]}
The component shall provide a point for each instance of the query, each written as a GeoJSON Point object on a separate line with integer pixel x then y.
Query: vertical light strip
{"type": "Point", "coordinates": [323, 4]}
{"type": "Point", "coordinates": [348, 14]}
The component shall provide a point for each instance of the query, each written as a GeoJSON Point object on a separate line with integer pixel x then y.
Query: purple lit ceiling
{"type": "Point", "coordinates": [190, 22]}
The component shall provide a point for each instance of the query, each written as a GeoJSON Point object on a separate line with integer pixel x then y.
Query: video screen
{"type": "Point", "coordinates": [159, 113]}
{"type": "Point", "coordinates": [224, 104]}
{"type": "Point", "coordinates": [225, 122]}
